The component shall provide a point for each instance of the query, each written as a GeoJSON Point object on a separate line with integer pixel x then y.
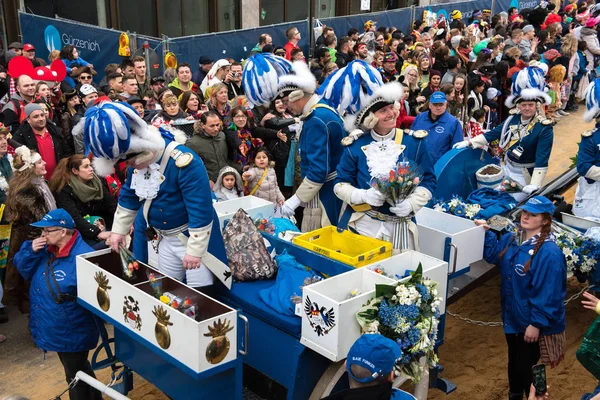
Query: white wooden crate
{"type": "Point", "coordinates": [186, 341]}
{"type": "Point", "coordinates": [433, 269]}
{"type": "Point", "coordinates": [435, 226]}
{"type": "Point", "coordinates": [330, 298]}
{"type": "Point", "coordinates": [254, 207]}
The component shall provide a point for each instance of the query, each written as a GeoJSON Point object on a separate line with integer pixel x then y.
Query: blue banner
{"type": "Point", "coordinates": [233, 44]}
{"type": "Point", "coordinates": [504, 5]}
{"type": "Point", "coordinates": [400, 18]}
{"type": "Point", "coordinates": [97, 46]}
{"type": "Point", "coordinates": [466, 8]}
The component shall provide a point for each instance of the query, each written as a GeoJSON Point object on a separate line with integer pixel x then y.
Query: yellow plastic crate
{"type": "Point", "coordinates": [346, 247]}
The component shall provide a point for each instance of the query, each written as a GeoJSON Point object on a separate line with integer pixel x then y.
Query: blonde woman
{"type": "Point", "coordinates": [410, 76]}
{"type": "Point", "coordinates": [218, 100]}
{"type": "Point", "coordinates": [570, 60]}
{"type": "Point", "coordinates": [423, 66]}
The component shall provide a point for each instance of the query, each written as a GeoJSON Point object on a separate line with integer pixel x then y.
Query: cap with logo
{"type": "Point", "coordinates": [28, 47]}
{"type": "Point", "coordinates": [437, 98]}
{"type": "Point", "coordinates": [369, 24]}
{"type": "Point", "coordinates": [156, 79]}
{"type": "Point", "coordinates": [87, 89]}
{"type": "Point", "coordinates": [375, 353]}
{"type": "Point", "coordinates": [58, 217]}
{"type": "Point", "coordinates": [538, 205]}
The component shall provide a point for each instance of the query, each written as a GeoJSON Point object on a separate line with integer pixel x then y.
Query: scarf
{"type": "Point", "coordinates": [89, 191]}
{"type": "Point", "coordinates": [247, 149]}
{"type": "Point", "coordinates": [463, 53]}
{"type": "Point", "coordinates": [45, 191]}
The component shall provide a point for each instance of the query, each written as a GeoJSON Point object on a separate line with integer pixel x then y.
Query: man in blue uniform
{"type": "Point", "coordinates": [588, 160]}
{"type": "Point", "coordinates": [526, 136]}
{"type": "Point", "coordinates": [320, 150]}
{"type": "Point", "coordinates": [374, 148]}
{"type": "Point", "coordinates": [443, 129]}
{"type": "Point", "coordinates": [169, 184]}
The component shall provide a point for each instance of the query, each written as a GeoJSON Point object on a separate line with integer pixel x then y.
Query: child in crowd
{"type": "Point", "coordinates": [555, 78]}
{"type": "Point", "coordinates": [229, 185]}
{"type": "Point", "coordinates": [491, 119]}
{"type": "Point", "coordinates": [404, 120]}
{"type": "Point", "coordinates": [261, 180]}
{"type": "Point", "coordinates": [476, 123]}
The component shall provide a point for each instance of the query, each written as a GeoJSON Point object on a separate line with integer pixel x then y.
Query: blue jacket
{"type": "Point", "coordinates": [320, 149]}
{"type": "Point", "coordinates": [589, 152]}
{"type": "Point", "coordinates": [443, 133]}
{"type": "Point", "coordinates": [353, 167]}
{"type": "Point", "coordinates": [536, 145]}
{"type": "Point", "coordinates": [398, 394]}
{"type": "Point", "coordinates": [535, 297]}
{"type": "Point", "coordinates": [70, 64]}
{"type": "Point", "coordinates": [65, 327]}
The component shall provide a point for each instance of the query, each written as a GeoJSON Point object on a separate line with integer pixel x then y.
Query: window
{"type": "Point", "coordinates": [169, 18]}
{"type": "Point", "coordinates": [271, 12]}
{"type": "Point", "coordinates": [226, 15]}
{"type": "Point", "coordinates": [138, 16]}
{"type": "Point", "coordinates": [195, 17]}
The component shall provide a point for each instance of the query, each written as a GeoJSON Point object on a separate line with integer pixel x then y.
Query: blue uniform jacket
{"type": "Point", "coordinates": [443, 133]}
{"type": "Point", "coordinates": [353, 168]}
{"type": "Point", "coordinates": [320, 149]}
{"type": "Point", "coordinates": [535, 297]}
{"type": "Point", "coordinates": [184, 197]}
{"type": "Point", "coordinates": [589, 153]}
{"type": "Point", "coordinates": [398, 394]}
{"type": "Point", "coordinates": [65, 327]}
{"type": "Point", "coordinates": [537, 145]}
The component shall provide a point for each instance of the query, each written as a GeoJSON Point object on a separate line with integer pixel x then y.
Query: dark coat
{"type": "Point", "coordinates": [25, 136]}
{"type": "Point", "coordinates": [77, 209]}
{"type": "Point", "coordinates": [32, 208]}
{"type": "Point", "coordinates": [6, 172]}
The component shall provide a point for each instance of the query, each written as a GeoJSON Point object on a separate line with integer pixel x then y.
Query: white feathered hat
{"type": "Point", "coordinates": [114, 131]}
{"type": "Point", "coordinates": [385, 95]}
{"type": "Point", "coordinates": [301, 81]}
{"type": "Point", "coordinates": [528, 84]}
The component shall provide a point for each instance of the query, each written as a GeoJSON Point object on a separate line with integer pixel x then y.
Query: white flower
{"type": "Point", "coordinates": [453, 203]}
{"type": "Point", "coordinates": [567, 251]}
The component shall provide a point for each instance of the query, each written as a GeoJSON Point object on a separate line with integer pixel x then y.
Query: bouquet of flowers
{"type": "Point", "coordinates": [581, 252]}
{"type": "Point", "coordinates": [400, 183]}
{"type": "Point", "coordinates": [458, 207]}
{"type": "Point", "coordinates": [509, 185]}
{"type": "Point", "coordinates": [408, 313]}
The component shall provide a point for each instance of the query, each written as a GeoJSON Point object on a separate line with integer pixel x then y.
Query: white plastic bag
{"type": "Point", "coordinates": [586, 204]}
{"type": "Point", "coordinates": [317, 29]}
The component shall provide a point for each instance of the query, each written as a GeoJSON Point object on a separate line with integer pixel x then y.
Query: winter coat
{"type": "Point", "coordinates": [221, 192]}
{"type": "Point", "coordinates": [70, 64]}
{"type": "Point", "coordinates": [534, 297]}
{"type": "Point", "coordinates": [268, 189]}
{"type": "Point", "coordinates": [31, 208]}
{"type": "Point", "coordinates": [264, 134]}
{"type": "Point", "coordinates": [25, 136]}
{"type": "Point", "coordinates": [212, 150]}
{"type": "Point", "coordinates": [104, 208]}
{"type": "Point", "coordinates": [5, 172]}
{"type": "Point", "coordinates": [60, 327]}
{"type": "Point", "coordinates": [590, 37]}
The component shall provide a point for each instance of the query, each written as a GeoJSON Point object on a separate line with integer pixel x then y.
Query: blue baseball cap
{"type": "Point", "coordinates": [58, 217]}
{"type": "Point", "coordinates": [538, 205]}
{"type": "Point", "coordinates": [374, 352]}
{"type": "Point", "coordinates": [437, 98]}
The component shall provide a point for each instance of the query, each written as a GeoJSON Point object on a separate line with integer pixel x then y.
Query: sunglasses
{"type": "Point", "coordinates": [85, 76]}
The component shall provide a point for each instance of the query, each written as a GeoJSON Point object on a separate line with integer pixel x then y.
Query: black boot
{"type": "Point", "coordinates": [515, 396]}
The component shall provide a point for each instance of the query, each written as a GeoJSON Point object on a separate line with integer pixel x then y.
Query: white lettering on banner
{"type": "Point", "coordinates": [528, 4]}
{"type": "Point", "coordinates": [79, 43]}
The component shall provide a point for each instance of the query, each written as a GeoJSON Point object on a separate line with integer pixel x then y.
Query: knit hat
{"type": "Point", "coordinates": [390, 57]}
{"type": "Point", "coordinates": [551, 54]}
{"type": "Point", "coordinates": [492, 92]}
{"type": "Point", "coordinates": [528, 28]}
{"type": "Point", "coordinates": [31, 107]}
{"type": "Point", "coordinates": [456, 14]}
{"type": "Point", "coordinates": [434, 72]}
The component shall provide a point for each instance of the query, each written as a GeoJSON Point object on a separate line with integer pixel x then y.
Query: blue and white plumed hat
{"type": "Point", "coordinates": [389, 93]}
{"type": "Point", "coordinates": [528, 84]}
{"type": "Point", "coordinates": [297, 83]}
{"type": "Point", "coordinates": [348, 88]}
{"type": "Point", "coordinates": [592, 101]}
{"type": "Point", "coordinates": [112, 131]}
{"type": "Point", "coordinates": [260, 78]}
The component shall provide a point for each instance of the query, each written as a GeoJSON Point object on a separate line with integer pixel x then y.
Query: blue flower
{"type": "Point", "coordinates": [460, 210]}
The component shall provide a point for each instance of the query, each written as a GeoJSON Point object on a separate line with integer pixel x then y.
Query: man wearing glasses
{"type": "Point", "coordinates": [293, 36]}
{"type": "Point", "coordinates": [56, 321]}
{"type": "Point", "coordinates": [85, 76]}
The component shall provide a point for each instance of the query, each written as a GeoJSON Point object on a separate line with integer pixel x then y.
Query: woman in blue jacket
{"type": "Point", "coordinates": [56, 321]}
{"type": "Point", "coordinates": [533, 286]}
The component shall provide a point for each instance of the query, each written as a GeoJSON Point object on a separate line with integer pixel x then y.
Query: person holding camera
{"type": "Point", "coordinates": [533, 274]}
{"type": "Point", "coordinates": [233, 80]}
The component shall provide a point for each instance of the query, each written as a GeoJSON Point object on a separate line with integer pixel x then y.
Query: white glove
{"type": "Point", "coordinates": [461, 145]}
{"type": "Point", "coordinates": [530, 189]}
{"type": "Point", "coordinates": [372, 197]}
{"type": "Point", "coordinates": [402, 209]}
{"type": "Point", "coordinates": [290, 205]}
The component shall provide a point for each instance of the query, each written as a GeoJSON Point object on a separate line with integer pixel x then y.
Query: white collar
{"type": "Point", "coordinates": [310, 104]}
{"type": "Point", "coordinates": [381, 138]}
